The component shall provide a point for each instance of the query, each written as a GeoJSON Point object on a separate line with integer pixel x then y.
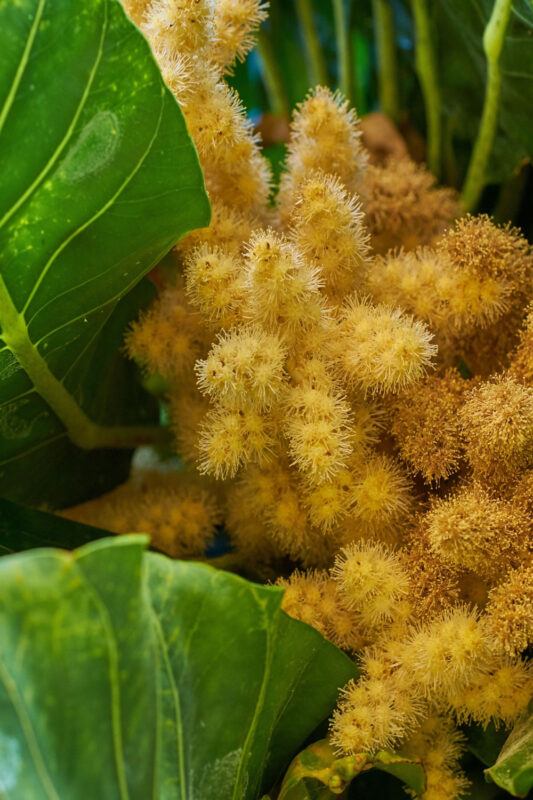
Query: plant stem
{"type": "Point", "coordinates": [493, 40]}
{"type": "Point", "coordinates": [344, 56]}
{"type": "Point", "coordinates": [426, 68]}
{"type": "Point", "coordinates": [272, 77]}
{"type": "Point", "coordinates": [82, 431]}
{"type": "Point", "coordinates": [387, 66]}
{"type": "Point", "coordinates": [316, 65]}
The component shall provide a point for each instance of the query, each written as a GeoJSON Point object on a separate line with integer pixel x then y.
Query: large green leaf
{"type": "Point", "coordinates": [99, 179]}
{"type": "Point", "coordinates": [513, 770]}
{"type": "Point", "coordinates": [129, 675]}
{"type": "Point", "coordinates": [462, 74]}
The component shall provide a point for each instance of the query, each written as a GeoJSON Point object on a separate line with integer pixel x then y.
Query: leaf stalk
{"type": "Point", "coordinates": [387, 63]}
{"type": "Point", "coordinates": [426, 68]}
{"type": "Point", "coordinates": [493, 41]}
{"type": "Point", "coordinates": [316, 66]}
{"type": "Point", "coordinates": [344, 54]}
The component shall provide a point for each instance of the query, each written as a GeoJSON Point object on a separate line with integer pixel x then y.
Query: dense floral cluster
{"type": "Point", "coordinates": [314, 354]}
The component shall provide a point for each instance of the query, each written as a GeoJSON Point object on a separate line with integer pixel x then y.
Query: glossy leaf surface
{"type": "Point", "coordinates": [99, 179]}
{"type": "Point", "coordinates": [125, 674]}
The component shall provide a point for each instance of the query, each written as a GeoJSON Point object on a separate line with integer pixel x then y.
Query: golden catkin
{"type": "Point", "coordinates": [178, 26]}
{"type": "Point", "coordinates": [497, 255]}
{"type": "Point", "coordinates": [447, 652]}
{"type": "Point", "coordinates": [317, 426]}
{"type": "Point", "coordinates": [471, 529]}
{"type": "Point", "coordinates": [332, 500]}
{"type": "Point", "coordinates": [426, 427]}
{"type": "Point", "coordinates": [283, 290]}
{"type": "Point", "coordinates": [168, 337]}
{"type": "Point", "coordinates": [302, 598]}
{"type": "Point", "coordinates": [325, 135]}
{"type": "Point", "coordinates": [213, 281]}
{"type": "Point", "coordinates": [451, 298]}
{"type": "Point", "coordinates": [229, 439]}
{"type": "Point", "coordinates": [434, 586]}
{"type": "Point", "coordinates": [379, 349]}
{"type": "Point", "coordinates": [480, 246]}
{"type": "Point", "coordinates": [235, 23]}
{"type": "Point", "coordinates": [509, 618]}
{"type": "Point", "coordinates": [497, 424]}
{"type": "Point", "coordinates": [372, 582]}
{"type": "Point", "coordinates": [403, 206]}
{"type": "Point", "coordinates": [327, 225]}
{"type": "Point", "coordinates": [373, 713]}
{"type": "Point", "coordinates": [244, 369]}
{"type": "Point", "coordinates": [499, 693]}
{"type": "Point", "coordinates": [179, 515]}
{"type": "Point", "coordinates": [382, 498]}
{"type": "Point", "coordinates": [439, 745]}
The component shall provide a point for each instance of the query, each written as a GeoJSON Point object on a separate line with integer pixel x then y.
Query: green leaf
{"type": "Point", "coordinates": [24, 529]}
{"type": "Point", "coordinates": [317, 772]}
{"type": "Point", "coordinates": [485, 743]}
{"type": "Point", "coordinates": [99, 179]}
{"type": "Point", "coordinates": [129, 675]}
{"type": "Point", "coordinates": [462, 73]}
{"type": "Point", "coordinates": [513, 770]}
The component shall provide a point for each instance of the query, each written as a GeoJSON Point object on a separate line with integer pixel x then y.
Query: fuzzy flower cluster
{"type": "Point", "coordinates": [313, 352]}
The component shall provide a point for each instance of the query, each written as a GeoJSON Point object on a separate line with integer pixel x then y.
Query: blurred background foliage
{"type": "Point", "coordinates": [423, 64]}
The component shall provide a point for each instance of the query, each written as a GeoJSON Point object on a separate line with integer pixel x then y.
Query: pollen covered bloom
{"type": "Point", "coordinates": [426, 427]}
{"type": "Point", "coordinates": [328, 226]}
{"type": "Point", "coordinates": [403, 206]}
{"type": "Point", "coordinates": [380, 349]}
{"type": "Point", "coordinates": [497, 423]}
{"type": "Point", "coordinates": [243, 369]}
{"type": "Point", "coordinates": [372, 581]}
{"type": "Point", "coordinates": [472, 529]}
{"type": "Point", "coordinates": [283, 290]}
{"type": "Point", "coordinates": [509, 617]}
{"type": "Point", "coordinates": [180, 515]}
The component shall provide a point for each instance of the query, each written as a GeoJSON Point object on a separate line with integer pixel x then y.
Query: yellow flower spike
{"type": "Point", "coordinates": [325, 135]}
{"type": "Point", "coordinates": [380, 349]}
{"type": "Point", "coordinates": [426, 427]}
{"type": "Point", "coordinates": [235, 23]}
{"type": "Point", "coordinates": [497, 423]}
{"type": "Point", "coordinates": [471, 529]}
{"type": "Point", "coordinates": [243, 369]}
{"type": "Point", "coordinates": [178, 26]}
{"type": "Point", "coordinates": [372, 581]}
{"type": "Point", "coordinates": [283, 291]}
{"type": "Point", "coordinates": [403, 206]}
{"type": "Point", "coordinates": [327, 225]}
{"type": "Point", "coordinates": [508, 614]}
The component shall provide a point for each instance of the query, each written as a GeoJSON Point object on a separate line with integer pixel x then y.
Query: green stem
{"type": "Point", "coordinates": [343, 41]}
{"type": "Point", "coordinates": [387, 65]}
{"type": "Point", "coordinates": [493, 40]}
{"type": "Point", "coordinates": [272, 77]}
{"type": "Point", "coordinates": [426, 68]}
{"type": "Point", "coordinates": [316, 65]}
{"type": "Point", "coordinates": [81, 430]}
